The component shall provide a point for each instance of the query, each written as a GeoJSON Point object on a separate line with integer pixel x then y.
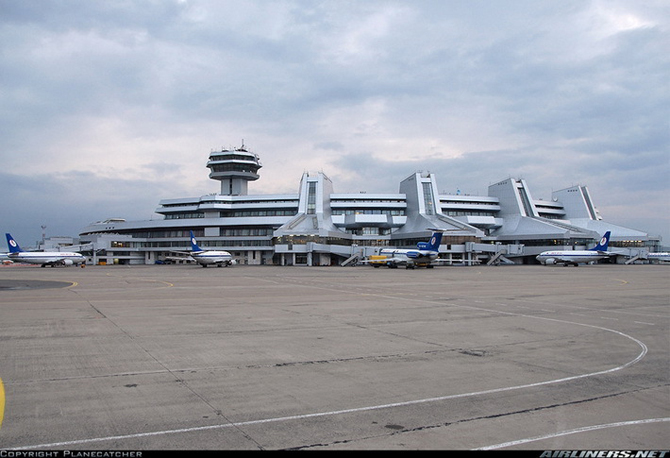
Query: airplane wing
{"type": "Point", "coordinates": [560, 258]}
{"type": "Point", "coordinates": [398, 260]}
{"type": "Point", "coordinates": [383, 260]}
{"type": "Point", "coordinates": [56, 261]}
{"type": "Point", "coordinates": [179, 258]}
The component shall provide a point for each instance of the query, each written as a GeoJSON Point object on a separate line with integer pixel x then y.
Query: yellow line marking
{"type": "Point", "coordinates": [2, 402]}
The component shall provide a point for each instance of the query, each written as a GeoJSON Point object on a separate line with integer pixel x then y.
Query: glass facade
{"type": "Point", "coordinates": [311, 198]}
{"type": "Point", "coordinates": [428, 200]}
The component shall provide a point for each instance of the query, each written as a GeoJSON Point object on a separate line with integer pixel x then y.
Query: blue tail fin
{"type": "Point", "coordinates": [604, 243]}
{"type": "Point", "coordinates": [194, 244]}
{"type": "Point", "coordinates": [434, 243]}
{"type": "Point", "coordinates": [13, 246]}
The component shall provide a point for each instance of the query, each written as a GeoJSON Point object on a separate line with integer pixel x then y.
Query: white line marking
{"type": "Point", "coordinates": [370, 408]}
{"type": "Point", "coordinates": [573, 431]}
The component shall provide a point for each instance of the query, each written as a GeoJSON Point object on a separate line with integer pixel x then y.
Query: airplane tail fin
{"type": "Point", "coordinates": [12, 245]}
{"type": "Point", "coordinates": [194, 244]}
{"type": "Point", "coordinates": [603, 244]}
{"type": "Point", "coordinates": [433, 244]}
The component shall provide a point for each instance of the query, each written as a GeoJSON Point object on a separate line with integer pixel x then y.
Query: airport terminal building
{"type": "Point", "coordinates": [318, 227]}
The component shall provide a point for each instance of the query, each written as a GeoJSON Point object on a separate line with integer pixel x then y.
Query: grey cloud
{"type": "Point", "coordinates": [67, 202]}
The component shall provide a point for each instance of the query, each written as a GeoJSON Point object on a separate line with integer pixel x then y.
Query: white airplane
{"type": "Point", "coordinates": [45, 258]}
{"type": "Point", "coordinates": [205, 257]}
{"type": "Point", "coordinates": [661, 257]}
{"type": "Point", "coordinates": [425, 254]}
{"type": "Point", "coordinates": [574, 257]}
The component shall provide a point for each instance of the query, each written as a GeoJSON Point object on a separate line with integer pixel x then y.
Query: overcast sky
{"type": "Point", "coordinates": [110, 106]}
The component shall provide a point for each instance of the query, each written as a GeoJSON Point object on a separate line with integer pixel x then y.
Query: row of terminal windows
{"type": "Point", "coordinates": [366, 201]}
{"type": "Point", "coordinates": [336, 212]}
{"type": "Point", "coordinates": [227, 243]}
{"type": "Point", "coordinates": [311, 208]}
{"type": "Point", "coordinates": [231, 202]}
{"type": "Point", "coordinates": [189, 215]}
{"type": "Point", "coordinates": [369, 212]}
{"type": "Point", "coordinates": [247, 213]}
{"type": "Point", "coordinates": [469, 213]}
{"type": "Point", "coordinates": [168, 234]}
{"type": "Point", "coordinates": [245, 232]}
{"type": "Point", "coordinates": [631, 244]}
{"type": "Point", "coordinates": [370, 231]}
{"type": "Point", "coordinates": [209, 244]}
{"type": "Point", "coordinates": [232, 214]}
{"type": "Point", "coordinates": [230, 232]}
{"type": "Point", "coordinates": [190, 204]}
{"type": "Point", "coordinates": [462, 202]}
{"type": "Point", "coordinates": [304, 239]}
{"type": "Point", "coordinates": [252, 202]}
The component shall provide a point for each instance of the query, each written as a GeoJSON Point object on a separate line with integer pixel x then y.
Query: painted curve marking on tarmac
{"type": "Point", "coordinates": [382, 406]}
{"type": "Point", "coordinates": [14, 285]}
{"type": "Point", "coordinates": [574, 431]}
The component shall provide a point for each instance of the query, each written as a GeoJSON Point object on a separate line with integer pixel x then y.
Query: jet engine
{"type": "Point", "coordinates": [67, 262]}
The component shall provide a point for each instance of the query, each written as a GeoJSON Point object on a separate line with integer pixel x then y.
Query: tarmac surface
{"type": "Point", "coordinates": [335, 358]}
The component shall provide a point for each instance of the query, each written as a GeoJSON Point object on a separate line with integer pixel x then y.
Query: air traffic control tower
{"type": "Point", "coordinates": [234, 168]}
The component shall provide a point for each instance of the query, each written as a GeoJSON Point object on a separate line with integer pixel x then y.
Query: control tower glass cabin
{"type": "Point", "coordinates": [234, 168]}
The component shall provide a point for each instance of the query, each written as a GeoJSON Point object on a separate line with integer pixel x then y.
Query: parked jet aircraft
{"type": "Point", "coordinates": [45, 258]}
{"type": "Point", "coordinates": [425, 254]}
{"type": "Point", "coordinates": [661, 257]}
{"type": "Point", "coordinates": [207, 257]}
{"type": "Point", "coordinates": [575, 257]}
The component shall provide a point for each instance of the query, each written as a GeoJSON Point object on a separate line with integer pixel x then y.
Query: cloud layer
{"type": "Point", "coordinates": [108, 107]}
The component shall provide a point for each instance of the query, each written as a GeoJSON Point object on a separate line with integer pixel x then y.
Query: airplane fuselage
{"type": "Point", "coordinates": [570, 257]}
{"type": "Point", "coordinates": [220, 258]}
{"type": "Point", "coordinates": [662, 257]}
{"type": "Point", "coordinates": [46, 258]}
{"type": "Point", "coordinates": [407, 256]}
{"type": "Point", "coordinates": [576, 257]}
